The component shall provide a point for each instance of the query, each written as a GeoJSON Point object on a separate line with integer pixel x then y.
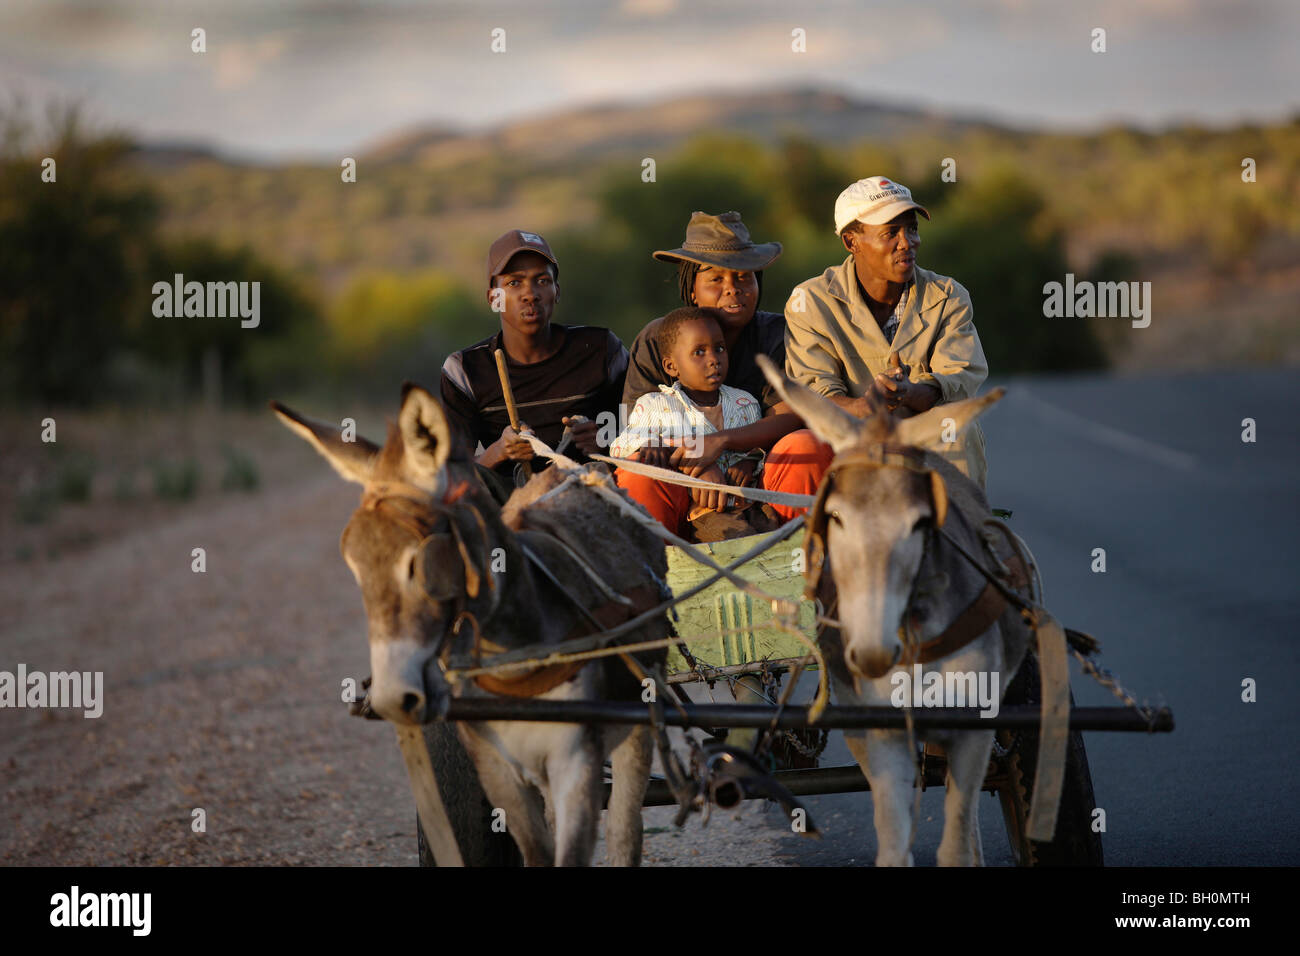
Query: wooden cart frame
{"type": "Point", "coordinates": [748, 642]}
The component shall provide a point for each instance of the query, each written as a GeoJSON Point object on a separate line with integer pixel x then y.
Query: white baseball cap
{"type": "Point", "coordinates": [874, 201]}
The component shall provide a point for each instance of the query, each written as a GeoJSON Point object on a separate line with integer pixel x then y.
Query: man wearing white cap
{"type": "Point", "coordinates": [879, 323]}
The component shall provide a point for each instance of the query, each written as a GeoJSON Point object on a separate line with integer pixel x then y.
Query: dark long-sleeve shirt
{"type": "Point", "coordinates": [584, 377]}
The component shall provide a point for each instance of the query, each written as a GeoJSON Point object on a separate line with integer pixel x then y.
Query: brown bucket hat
{"type": "Point", "coordinates": [722, 241]}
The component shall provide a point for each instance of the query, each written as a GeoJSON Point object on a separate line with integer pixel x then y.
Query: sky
{"type": "Point", "coordinates": [317, 79]}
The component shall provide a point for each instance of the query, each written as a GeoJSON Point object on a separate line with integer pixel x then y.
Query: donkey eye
{"type": "Point", "coordinates": [410, 569]}
{"type": "Point", "coordinates": [835, 516]}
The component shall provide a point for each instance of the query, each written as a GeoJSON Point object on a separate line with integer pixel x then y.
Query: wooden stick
{"type": "Point", "coordinates": [511, 409]}
{"type": "Point", "coordinates": [505, 389]}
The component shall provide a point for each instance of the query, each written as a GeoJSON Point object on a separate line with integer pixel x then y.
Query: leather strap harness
{"type": "Point", "coordinates": [449, 535]}
{"type": "Point", "coordinates": [879, 456]}
{"type": "Point", "coordinates": [536, 681]}
{"type": "Point", "coordinates": [977, 617]}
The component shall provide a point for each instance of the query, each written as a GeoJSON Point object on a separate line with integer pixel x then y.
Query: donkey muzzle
{"type": "Point", "coordinates": [406, 686]}
{"type": "Point", "coordinates": [872, 662]}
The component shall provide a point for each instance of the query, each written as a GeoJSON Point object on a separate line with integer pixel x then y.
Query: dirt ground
{"type": "Point", "coordinates": [222, 692]}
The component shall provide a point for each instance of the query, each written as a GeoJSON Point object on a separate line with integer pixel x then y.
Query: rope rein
{"type": "Point", "coordinates": [594, 646]}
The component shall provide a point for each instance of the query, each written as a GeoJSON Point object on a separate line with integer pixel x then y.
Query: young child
{"type": "Point", "coordinates": [697, 404]}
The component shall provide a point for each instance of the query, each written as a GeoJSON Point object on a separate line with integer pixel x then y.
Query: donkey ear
{"type": "Point", "coordinates": [426, 436]}
{"type": "Point", "coordinates": [354, 460]}
{"type": "Point", "coordinates": [827, 420]}
{"type": "Point", "coordinates": [942, 424]}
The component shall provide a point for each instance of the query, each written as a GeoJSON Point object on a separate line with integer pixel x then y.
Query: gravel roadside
{"type": "Point", "coordinates": [222, 694]}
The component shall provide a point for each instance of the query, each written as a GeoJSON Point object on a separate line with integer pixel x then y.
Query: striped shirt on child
{"type": "Point", "coordinates": [669, 417]}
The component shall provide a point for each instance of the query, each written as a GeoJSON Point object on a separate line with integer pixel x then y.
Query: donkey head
{"type": "Point", "coordinates": [873, 510]}
{"type": "Point", "coordinates": [417, 546]}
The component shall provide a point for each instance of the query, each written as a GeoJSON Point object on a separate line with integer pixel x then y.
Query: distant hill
{"type": "Point", "coordinates": [175, 155]}
{"type": "Point", "coordinates": [606, 130]}
{"type": "Point", "coordinates": [430, 194]}
{"type": "Point", "coordinates": [409, 144]}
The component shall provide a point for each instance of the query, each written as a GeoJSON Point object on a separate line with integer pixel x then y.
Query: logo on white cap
{"type": "Point", "coordinates": [873, 200]}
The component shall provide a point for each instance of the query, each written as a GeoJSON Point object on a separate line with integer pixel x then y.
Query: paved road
{"type": "Point", "coordinates": [222, 688]}
{"type": "Point", "coordinates": [1202, 552]}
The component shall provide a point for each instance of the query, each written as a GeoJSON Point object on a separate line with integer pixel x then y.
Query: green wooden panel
{"type": "Point", "coordinates": [721, 607]}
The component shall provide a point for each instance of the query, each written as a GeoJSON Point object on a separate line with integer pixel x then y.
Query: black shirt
{"type": "Point", "coordinates": [584, 377]}
{"type": "Point", "coordinates": [765, 333]}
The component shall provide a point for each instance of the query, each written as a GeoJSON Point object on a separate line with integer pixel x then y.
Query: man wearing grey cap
{"type": "Point", "coordinates": [559, 374]}
{"type": "Point", "coordinates": [878, 323]}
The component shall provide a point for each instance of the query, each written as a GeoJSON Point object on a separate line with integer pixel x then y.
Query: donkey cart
{"type": "Point", "coordinates": [733, 637]}
{"type": "Point", "coordinates": [558, 649]}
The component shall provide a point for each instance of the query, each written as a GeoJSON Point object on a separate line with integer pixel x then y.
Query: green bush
{"type": "Point", "coordinates": [995, 237]}
{"type": "Point", "coordinates": [69, 257]}
{"type": "Point", "coordinates": [73, 478]}
{"type": "Point", "coordinates": [37, 505]}
{"type": "Point", "coordinates": [175, 481]}
{"type": "Point", "coordinates": [241, 471]}
{"type": "Point", "coordinates": [124, 487]}
{"type": "Point", "coordinates": [279, 351]}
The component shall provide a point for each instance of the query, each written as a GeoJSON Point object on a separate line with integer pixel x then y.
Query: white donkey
{"type": "Point", "coordinates": [886, 520]}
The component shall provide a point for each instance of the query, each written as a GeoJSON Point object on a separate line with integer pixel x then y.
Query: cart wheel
{"type": "Point", "coordinates": [467, 806]}
{"type": "Point", "coordinates": [1074, 842]}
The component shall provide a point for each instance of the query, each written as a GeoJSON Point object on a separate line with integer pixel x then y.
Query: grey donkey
{"type": "Point", "coordinates": [878, 511]}
{"type": "Point", "coordinates": [447, 575]}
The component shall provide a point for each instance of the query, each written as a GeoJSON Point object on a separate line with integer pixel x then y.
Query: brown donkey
{"type": "Point", "coordinates": [448, 575]}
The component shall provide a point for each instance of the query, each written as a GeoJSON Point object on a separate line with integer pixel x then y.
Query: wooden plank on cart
{"type": "Point", "coordinates": [747, 623]}
{"type": "Point", "coordinates": [428, 801]}
{"type": "Point", "coordinates": [1050, 773]}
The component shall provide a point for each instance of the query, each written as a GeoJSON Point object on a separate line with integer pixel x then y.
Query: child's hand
{"type": "Point", "coordinates": [699, 451]}
{"type": "Point", "coordinates": [742, 472]}
{"type": "Point", "coordinates": [658, 455]}
{"type": "Point", "coordinates": [714, 498]}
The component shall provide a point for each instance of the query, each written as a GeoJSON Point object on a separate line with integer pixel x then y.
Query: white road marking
{"type": "Point", "coordinates": [1112, 437]}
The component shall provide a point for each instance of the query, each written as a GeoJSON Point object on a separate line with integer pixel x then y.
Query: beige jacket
{"type": "Point", "coordinates": [834, 346]}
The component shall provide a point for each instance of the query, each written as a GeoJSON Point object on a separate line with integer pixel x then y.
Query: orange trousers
{"type": "Point", "coordinates": [795, 464]}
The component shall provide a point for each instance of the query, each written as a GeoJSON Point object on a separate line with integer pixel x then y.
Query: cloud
{"type": "Point", "coordinates": [240, 62]}
{"type": "Point", "coordinates": [647, 9]}
{"type": "Point", "coordinates": [326, 75]}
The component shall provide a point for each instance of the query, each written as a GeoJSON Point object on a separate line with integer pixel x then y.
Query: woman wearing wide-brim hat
{"type": "Point", "coordinates": [720, 268]}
